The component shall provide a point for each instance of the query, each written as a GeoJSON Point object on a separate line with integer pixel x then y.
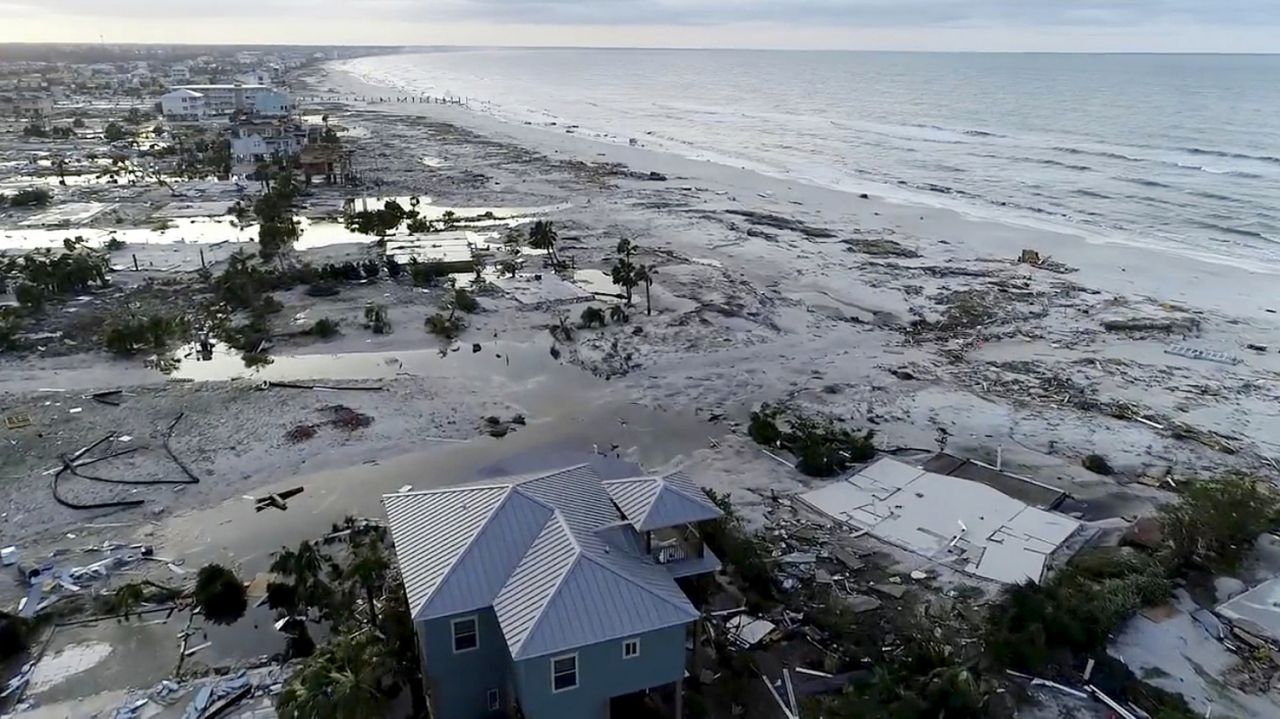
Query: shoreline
{"type": "Point", "coordinates": [1241, 281]}
{"type": "Point", "coordinates": [906, 195]}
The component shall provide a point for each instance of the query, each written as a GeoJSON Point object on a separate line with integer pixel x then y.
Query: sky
{"type": "Point", "coordinates": [940, 25]}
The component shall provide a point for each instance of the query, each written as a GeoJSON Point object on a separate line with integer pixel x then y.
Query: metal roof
{"type": "Point", "coordinates": [549, 552]}
{"type": "Point", "coordinates": [438, 526]}
{"type": "Point", "coordinates": [656, 502]}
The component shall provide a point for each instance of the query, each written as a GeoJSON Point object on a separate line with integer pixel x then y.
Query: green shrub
{"type": "Point", "coordinates": [1216, 522]}
{"type": "Point", "coordinates": [376, 319]}
{"type": "Point", "coordinates": [593, 316]}
{"type": "Point", "coordinates": [763, 427]}
{"type": "Point", "coordinates": [1098, 464]}
{"type": "Point", "coordinates": [131, 335]}
{"type": "Point", "coordinates": [448, 327]}
{"type": "Point", "coordinates": [113, 132]}
{"type": "Point", "coordinates": [822, 447]}
{"type": "Point", "coordinates": [31, 197]}
{"type": "Point", "coordinates": [1075, 611]}
{"type": "Point", "coordinates": [465, 301]}
{"type": "Point", "coordinates": [325, 328]}
{"type": "Point", "coordinates": [220, 595]}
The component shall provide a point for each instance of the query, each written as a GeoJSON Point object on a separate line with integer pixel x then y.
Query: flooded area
{"type": "Point", "coordinates": [508, 360]}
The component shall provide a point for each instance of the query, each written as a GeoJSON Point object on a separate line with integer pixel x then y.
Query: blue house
{"type": "Point", "coordinates": [552, 596]}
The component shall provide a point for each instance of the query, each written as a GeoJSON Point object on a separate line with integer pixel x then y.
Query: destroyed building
{"type": "Point", "coordinates": [957, 522]}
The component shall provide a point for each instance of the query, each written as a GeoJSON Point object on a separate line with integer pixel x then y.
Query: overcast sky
{"type": "Point", "coordinates": [1008, 25]}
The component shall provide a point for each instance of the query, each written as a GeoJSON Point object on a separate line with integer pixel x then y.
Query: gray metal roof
{"type": "Point", "coordinates": [550, 553]}
{"type": "Point", "coordinates": [438, 526]}
{"type": "Point", "coordinates": [656, 502]}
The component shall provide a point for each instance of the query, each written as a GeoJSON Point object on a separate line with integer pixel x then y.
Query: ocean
{"type": "Point", "coordinates": [1180, 151]}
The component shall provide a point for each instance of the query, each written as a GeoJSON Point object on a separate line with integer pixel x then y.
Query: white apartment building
{"type": "Point", "coordinates": [220, 101]}
{"type": "Point", "coordinates": [182, 105]}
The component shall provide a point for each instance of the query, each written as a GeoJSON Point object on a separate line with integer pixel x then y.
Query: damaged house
{"type": "Point", "coordinates": [552, 595]}
{"type": "Point", "coordinates": [966, 524]}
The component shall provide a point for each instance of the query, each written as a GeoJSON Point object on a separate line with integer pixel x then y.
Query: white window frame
{"type": "Point", "coordinates": [577, 681]}
{"type": "Point", "coordinates": [453, 633]}
{"type": "Point", "coordinates": [493, 700]}
{"type": "Point", "coordinates": [628, 643]}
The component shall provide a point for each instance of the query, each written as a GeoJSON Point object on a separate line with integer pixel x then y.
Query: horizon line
{"type": "Point", "coordinates": [101, 44]}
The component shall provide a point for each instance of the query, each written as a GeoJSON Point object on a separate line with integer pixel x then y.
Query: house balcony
{"type": "Point", "coordinates": [681, 551]}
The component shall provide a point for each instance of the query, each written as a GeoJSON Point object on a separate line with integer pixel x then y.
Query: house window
{"type": "Point", "coordinates": [564, 673]}
{"type": "Point", "coordinates": [466, 635]}
{"type": "Point", "coordinates": [493, 700]}
{"type": "Point", "coordinates": [631, 649]}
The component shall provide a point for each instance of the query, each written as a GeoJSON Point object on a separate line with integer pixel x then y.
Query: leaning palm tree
{"type": "Point", "coordinates": [644, 274]}
{"type": "Point", "coordinates": [542, 236]}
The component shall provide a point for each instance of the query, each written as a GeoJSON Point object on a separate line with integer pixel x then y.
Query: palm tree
{"type": "Point", "coordinates": [542, 236]}
{"type": "Point", "coordinates": [344, 678]}
{"type": "Point", "coordinates": [644, 274]}
{"type": "Point", "coordinates": [623, 271]}
{"type": "Point", "coordinates": [306, 568]}
{"type": "Point", "coordinates": [367, 570]}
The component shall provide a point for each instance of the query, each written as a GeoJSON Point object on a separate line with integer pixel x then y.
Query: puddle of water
{"type": "Point", "coordinates": [566, 432]}
{"type": "Point", "coordinates": [435, 212]}
{"type": "Point", "coordinates": [66, 663]}
{"type": "Point", "coordinates": [509, 360]}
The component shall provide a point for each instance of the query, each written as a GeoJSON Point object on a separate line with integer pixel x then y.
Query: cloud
{"type": "Point", "coordinates": [849, 13]}
{"type": "Point", "coordinates": [862, 13]}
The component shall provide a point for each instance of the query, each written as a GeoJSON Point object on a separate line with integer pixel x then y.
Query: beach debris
{"type": "Point", "coordinates": [196, 648]}
{"type": "Point", "coordinates": [778, 222]}
{"type": "Point", "coordinates": [301, 433]}
{"type": "Point", "coordinates": [746, 631]}
{"type": "Point", "coordinates": [1256, 347]}
{"type": "Point", "coordinates": [347, 418]}
{"type": "Point", "coordinates": [276, 500]}
{"type": "Point", "coordinates": [897, 591]}
{"type": "Point", "coordinates": [17, 420]}
{"type": "Point", "coordinates": [324, 387]}
{"type": "Point", "coordinates": [9, 556]}
{"type": "Point", "coordinates": [1033, 258]}
{"type": "Point", "coordinates": [860, 603]}
{"type": "Point", "coordinates": [1146, 532]}
{"type": "Point", "coordinates": [109, 397]}
{"type": "Point", "coordinates": [1200, 354]}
